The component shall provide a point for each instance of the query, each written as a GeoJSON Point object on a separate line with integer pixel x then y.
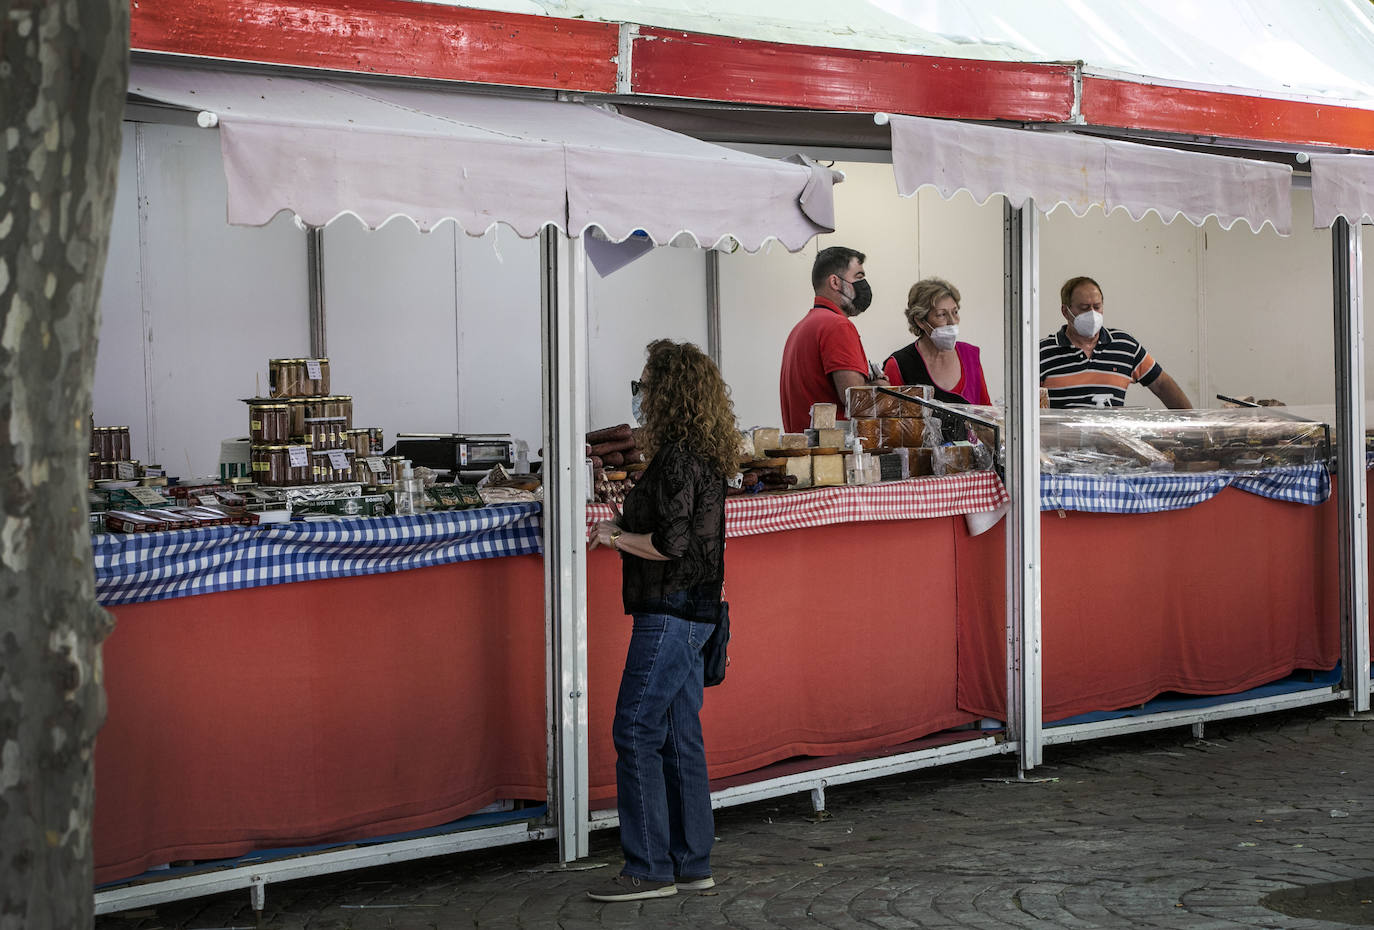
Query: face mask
{"type": "Point", "coordinates": [1087, 324]}
{"type": "Point", "coordinates": [944, 337]}
{"type": "Point", "coordinates": [637, 406]}
{"type": "Point", "coordinates": [863, 296]}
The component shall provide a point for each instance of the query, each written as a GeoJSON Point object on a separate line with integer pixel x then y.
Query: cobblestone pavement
{"type": "Point", "coordinates": [1152, 830]}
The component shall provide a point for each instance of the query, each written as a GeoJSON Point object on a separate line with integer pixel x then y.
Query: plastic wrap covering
{"type": "Point", "coordinates": [1133, 441]}
{"type": "Point", "coordinates": [866, 400]}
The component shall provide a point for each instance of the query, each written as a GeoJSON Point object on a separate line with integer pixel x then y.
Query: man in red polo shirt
{"type": "Point", "coordinates": [823, 355]}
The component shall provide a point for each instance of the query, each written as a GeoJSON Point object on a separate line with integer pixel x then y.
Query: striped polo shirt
{"type": "Point", "coordinates": [1077, 380]}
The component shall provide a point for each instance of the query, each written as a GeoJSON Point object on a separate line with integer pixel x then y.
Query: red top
{"type": "Point", "coordinates": [972, 386]}
{"type": "Point", "coordinates": [825, 341]}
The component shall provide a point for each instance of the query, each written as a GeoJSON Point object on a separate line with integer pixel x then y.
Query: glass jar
{"type": "Point", "coordinates": [272, 465]}
{"type": "Point", "coordinates": [269, 424]}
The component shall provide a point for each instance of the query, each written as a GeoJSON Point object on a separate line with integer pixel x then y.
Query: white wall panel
{"type": "Point", "coordinates": [661, 295]}
{"type": "Point", "coordinates": [961, 242]}
{"type": "Point", "coordinates": [1149, 276]}
{"type": "Point", "coordinates": [499, 355]}
{"type": "Point", "coordinates": [762, 296]}
{"type": "Point", "coordinates": [219, 301]}
{"type": "Point", "coordinates": [872, 217]}
{"type": "Point", "coordinates": [119, 397]}
{"type": "Point", "coordinates": [391, 315]}
{"type": "Point", "coordinates": [1268, 311]}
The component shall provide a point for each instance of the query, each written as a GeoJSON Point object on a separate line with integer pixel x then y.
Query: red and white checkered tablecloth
{"type": "Point", "coordinates": [912, 499]}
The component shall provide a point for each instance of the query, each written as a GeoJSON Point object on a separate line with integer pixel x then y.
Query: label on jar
{"type": "Point", "coordinates": [125, 470]}
{"type": "Point", "coordinates": [377, 464]}
{"type": "Point", "coordinates": [312, 369]}
{"type": "Point", "coordinates": [150, 497]}
{"type": "Point", "coordinates": [338, 459]}
{"type": "Point", "coordinates": [300, 456]}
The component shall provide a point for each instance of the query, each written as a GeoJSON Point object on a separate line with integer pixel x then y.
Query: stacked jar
{"type": "Point", "coordinates": [301, 412]}
{"type": "Point", "coordinates": [111, 447]}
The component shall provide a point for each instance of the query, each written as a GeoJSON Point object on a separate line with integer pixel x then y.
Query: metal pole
{"type": "Point", "coordinates": [713, 305]}
{"type": "Point", "coordinates": [1021, 276]}
{"type": "Point", "coordinates": [314, 265]}
{"type": "Point", "coordinates": [1347, 290]}
{"type": "Point", "coordinates": [563, 330]}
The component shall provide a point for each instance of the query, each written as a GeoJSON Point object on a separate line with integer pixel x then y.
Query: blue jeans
{"type": "Point", "coordinates": [664, 799]}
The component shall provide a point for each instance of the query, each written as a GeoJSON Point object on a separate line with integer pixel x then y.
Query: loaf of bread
{"type": "Point", "coordinates": [868, 430]}
{"type": "Point", "coordinates": [900, 431]}
{"type": "Point", "coordinates": [861, 401]}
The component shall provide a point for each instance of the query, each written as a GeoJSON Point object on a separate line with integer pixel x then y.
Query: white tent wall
{"type": "Point", "coordinates": [119, 395]}
{"type": "Point", "coordinates": [435, 331]}
{"type": "Point", "coordinates": [1149, 276]}
{"type": "Point", "coordinates": [431, 332]}
{"type": "Point", "coordinates": [661, 295]}
{"type": "Point", "coordinates": [210, 302]}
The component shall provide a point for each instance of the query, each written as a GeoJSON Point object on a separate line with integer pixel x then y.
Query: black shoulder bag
{"type": "Point", "coordinates": [713, 656]}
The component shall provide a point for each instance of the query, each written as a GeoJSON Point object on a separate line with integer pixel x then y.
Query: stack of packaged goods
{"type": "Point", "coordinates": [896, 430]}
{"type": "Point", "coordinates": [616, 462]}
{"type": "Point", "coordinates": [301, 434]}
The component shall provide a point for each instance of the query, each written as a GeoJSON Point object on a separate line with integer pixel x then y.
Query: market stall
{"type": "Point", "coordinates": [388, 682]}
{"type": "Point", "coordinates": [581, 615]}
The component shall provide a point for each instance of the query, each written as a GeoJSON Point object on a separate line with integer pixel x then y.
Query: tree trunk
{"type": "Point", "coordinates": [63, 73]}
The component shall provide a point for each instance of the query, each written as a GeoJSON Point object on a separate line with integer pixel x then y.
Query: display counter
{"type": "Point", "coordinates": [364, 704]}
{"type": "Point", "coordinates": [1215, 598]}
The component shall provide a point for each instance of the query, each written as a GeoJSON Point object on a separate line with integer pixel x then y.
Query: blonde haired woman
{"type": "Point", "coordinates": [937, 357]}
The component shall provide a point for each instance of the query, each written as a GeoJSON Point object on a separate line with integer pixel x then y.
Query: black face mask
{"type": "Point", "coordinates": [863, 295]}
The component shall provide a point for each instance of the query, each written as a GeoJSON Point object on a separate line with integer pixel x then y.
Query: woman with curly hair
{"type": "Point", "coordinates": [671, 539]}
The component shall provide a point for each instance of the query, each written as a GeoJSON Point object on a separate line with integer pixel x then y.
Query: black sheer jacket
{"type": "Point", "coordinates": [680, 502]}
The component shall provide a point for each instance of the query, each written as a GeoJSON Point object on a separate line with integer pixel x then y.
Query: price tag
{"type": "Point", "coordinates": [125, 470]}
{"type": "Point", "coordinates": [312, 369]}
{"type": "Point", "coordinates": [300, 456]}
{"type": "Point", "coordinates": [148, 496]}
{"type": "Point", "coordinates": [207, 500]}
{"type": "Point", "coordinates": [377, 465]}
{"type": "Point", "coordinates": [154, 471]}
{"type": "Point", "coordinates": [338, 459]}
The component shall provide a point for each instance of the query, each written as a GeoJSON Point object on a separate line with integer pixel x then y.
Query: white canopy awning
{"type": "Point", "coordinates": [323, 148]}
{"type": "Point", "coordinates": [1083, 171]}
{"type": "Point", "coordinates": [1342, 185]}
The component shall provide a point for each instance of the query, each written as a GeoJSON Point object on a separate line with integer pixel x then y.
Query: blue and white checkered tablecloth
{"type": "Point", "coordinates": [1148, 493]}
{"type": "Point", "coordinates": [154, 566]}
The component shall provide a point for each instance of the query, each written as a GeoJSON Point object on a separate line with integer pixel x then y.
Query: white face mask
{"type": "Point", "coordinates": [944, 337]}
{"type": "Point", "coordinates": [1087, 324]}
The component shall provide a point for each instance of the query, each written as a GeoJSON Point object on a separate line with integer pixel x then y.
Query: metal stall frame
{"type": "Point", "coordinates": [563, 335]}
{"type": "Point", "coordinates": [1021, 317]}
{"type": "Point", "coordinates": [1347, 280]}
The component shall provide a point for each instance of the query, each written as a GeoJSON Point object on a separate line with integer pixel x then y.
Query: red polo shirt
{"type": "Point", "coordinates": [825, 341]}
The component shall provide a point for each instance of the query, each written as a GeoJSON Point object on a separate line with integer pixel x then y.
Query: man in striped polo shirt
{"type": "Point", "coordinates": [1087, 365]}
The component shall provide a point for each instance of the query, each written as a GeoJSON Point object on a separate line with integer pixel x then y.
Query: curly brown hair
{"type": "Point", "coordinates": [687, 403]}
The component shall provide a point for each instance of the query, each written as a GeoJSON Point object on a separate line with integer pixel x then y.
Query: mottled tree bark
{"type": "Point", "coordinates": [62, 82]}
